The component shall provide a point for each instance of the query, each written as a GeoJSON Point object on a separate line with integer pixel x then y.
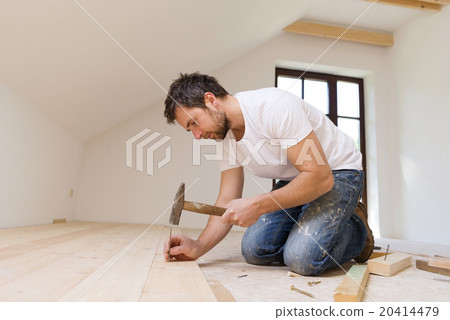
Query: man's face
{"type": "Point", "coordinates": [204, 123]}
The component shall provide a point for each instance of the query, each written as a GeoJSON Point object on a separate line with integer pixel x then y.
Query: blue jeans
{"type": "Point", "coordinates": [314, 237]}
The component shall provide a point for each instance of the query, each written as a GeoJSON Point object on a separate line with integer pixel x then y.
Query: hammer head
{"type": "Point", "coordinates": [177, 206]}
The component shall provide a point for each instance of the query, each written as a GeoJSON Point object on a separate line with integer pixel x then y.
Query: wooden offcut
{"type": "Point", "coordinates": [335, 32]}
{"type": "Point", "coordinates": [351, 289]}
{"type": "Point", "coordinates": [412, 4]}
{"type": "Point", "coordinates": [440, 263]}
{"type": "Point", "coordinates": [423, 265]}
{"type": "Point", "coordinates": [55, 221]}
{"type": "Point", "coordinates": [393, 264]}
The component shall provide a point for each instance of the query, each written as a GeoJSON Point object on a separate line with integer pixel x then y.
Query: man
{"type": "Point", "coordinates": [308, 221]}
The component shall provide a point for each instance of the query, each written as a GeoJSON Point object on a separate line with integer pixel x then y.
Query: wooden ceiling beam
{"type": "Point", "coordinates": [322, 30]}
{"type": "Point", "coordinates": [413, 4]}
{"type": "Point", "coordinates": [443, 2]}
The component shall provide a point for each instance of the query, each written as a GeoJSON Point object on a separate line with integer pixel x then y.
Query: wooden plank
{"type": "Point", "coordinates": [181, 281]}
{"type": "Point", "coordinates": [52, 280]}
{"type": "Point", "coordinates": [222, 294]}
{"type": "Point", "coordinates": [351, 289]}
{"type": "Point", "coordinates": [55, 221]}
{"type": "Point", "coordinates": [412, 4]}
{"type": "Point", "coordinates": [45, 242]}
{"type": "Point", "coordinates": [335, 32]}
{"type": "Point", "coordinates": [20, 235]}
{"type": "Point", "coordinates": [394, 263]}
{"type": "Point", "coordinates": [17, 266]}
{"type": "Point", "coordinates": [125, 280]}
{"type": "Point", "coordinates": [440, 263]}
{"type": "Point", "coordinates": [423, 265]}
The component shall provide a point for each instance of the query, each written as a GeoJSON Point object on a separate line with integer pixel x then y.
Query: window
{"type": "Point", "coordinates": [340, 98]}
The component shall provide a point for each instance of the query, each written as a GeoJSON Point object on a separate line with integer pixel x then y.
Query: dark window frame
{"type": "Point", "coordinates": [332, 96]}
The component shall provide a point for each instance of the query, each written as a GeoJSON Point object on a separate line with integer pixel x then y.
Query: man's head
{"type": "Point", "coordinates": [193, 102]}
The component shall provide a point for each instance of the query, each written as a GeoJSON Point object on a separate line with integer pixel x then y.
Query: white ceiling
{"type": "Point", "coordinates": [55, 56]}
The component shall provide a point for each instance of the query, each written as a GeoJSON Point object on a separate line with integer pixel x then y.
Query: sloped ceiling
{"type": "Point", "coordinates": [54, 55]}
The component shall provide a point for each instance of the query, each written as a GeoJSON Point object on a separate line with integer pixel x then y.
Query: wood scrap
{"type": "Point", "coordinates": [351, 289]}
{"type": "Point", "coordinates": [423, 265]}
{"type": "Point", "coordinates": [393, 264]}
{"type": "Point", "coordinates": [440, 263]}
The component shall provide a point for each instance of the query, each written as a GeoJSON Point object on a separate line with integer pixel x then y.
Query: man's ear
{"type": "Point", "coordinates": [211, 100]}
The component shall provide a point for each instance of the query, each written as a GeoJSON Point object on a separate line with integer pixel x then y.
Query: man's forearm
{"type": "Point", "coordinates": [305, 188]}
{"type": "Point", "coordinates": [214, 232]}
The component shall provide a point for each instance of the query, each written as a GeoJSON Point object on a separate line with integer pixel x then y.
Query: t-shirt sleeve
{"type": "Point", "coordinates": [287, 121]}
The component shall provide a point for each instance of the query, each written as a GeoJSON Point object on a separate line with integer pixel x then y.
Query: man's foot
{"type": "Point", "coordinates": [361, 211]}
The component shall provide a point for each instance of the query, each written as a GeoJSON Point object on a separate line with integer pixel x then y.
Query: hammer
{"type": "Point", "coordinates": [180, 204]}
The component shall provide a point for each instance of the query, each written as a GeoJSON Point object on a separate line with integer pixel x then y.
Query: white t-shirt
{"type": "Point", "coordinates": [276, 120]}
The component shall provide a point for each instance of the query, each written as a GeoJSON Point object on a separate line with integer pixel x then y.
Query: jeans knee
{"type": "Point", "coordinates": [259, 253]}
{"type": "Point", "coordinates": [305, 263]}
{"type": "Point", "coordinates": [251, 251]}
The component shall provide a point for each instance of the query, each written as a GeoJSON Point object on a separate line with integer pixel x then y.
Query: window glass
{"type": "Point", "coordinates": [293, 85]}
{"type": "Point", "coordinates": [350, 127]}
{"type": "Point", "coordinates": [347, 99]}
{"type": "Point", "coordinates": [316, 94]}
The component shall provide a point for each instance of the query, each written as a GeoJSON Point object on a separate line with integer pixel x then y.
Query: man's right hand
{"type": "Point", "coordinates": [182, 248]}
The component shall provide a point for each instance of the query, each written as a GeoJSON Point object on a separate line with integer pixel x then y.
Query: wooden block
{"type": "Point", "coordinates": [423, 265]}
{"type": "Point", "coordinates": [59, 221]}
{"type": "Point", "coordinates": [393, 264]}
{"type": "Point", "coordinates": [440, 263]}
{"type": "Point", "coordinates": [351, 289]}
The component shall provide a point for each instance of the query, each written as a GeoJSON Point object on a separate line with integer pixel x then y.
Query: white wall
{"type": "Point", "coordinates": [421, 108]}
{"type": "Point", "coordinates": [39, 164]}
{"type": "Point", "coordinates": [111, 191]}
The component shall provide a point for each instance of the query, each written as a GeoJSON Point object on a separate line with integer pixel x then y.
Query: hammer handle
{"type": "Point", "coordinates": [203, 208]}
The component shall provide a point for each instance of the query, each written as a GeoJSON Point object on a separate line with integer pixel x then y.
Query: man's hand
{"type": "Point", "coordinates": [182, 248]}
{"type": "Point", "coordinates": [242, 212]}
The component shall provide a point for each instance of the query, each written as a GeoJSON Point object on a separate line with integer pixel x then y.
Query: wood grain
{"type": "Point", "coordinates": [394, 263]}
{"type": "Point", "coordinates": [335, 32]}
{"type": "Point", "coordinates": [180, 281]}
{"type": "Point", "coordinates": [351, 289]}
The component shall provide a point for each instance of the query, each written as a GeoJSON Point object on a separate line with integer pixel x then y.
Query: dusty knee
{"type": "Point", "coordinates": [307, 262]}
{"type": "Point", "coordinates": [260, 252]}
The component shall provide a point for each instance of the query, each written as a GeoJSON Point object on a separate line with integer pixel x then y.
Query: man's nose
{"type": "Point", "coordinates": [197, 133]}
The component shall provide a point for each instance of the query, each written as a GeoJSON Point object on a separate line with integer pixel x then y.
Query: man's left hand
{"type": "Point", "coordinates": [242, 212]}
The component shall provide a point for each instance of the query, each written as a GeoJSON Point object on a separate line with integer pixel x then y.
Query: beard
{"type": "Point", "coordinates": [222, 122]}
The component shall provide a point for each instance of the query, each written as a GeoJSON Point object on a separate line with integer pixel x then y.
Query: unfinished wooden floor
{"type": "Point", "coordinates": [82, 261]}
